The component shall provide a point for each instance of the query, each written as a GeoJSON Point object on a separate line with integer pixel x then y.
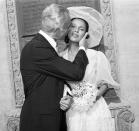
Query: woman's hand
{"type": "Point", "coordinates": [83, 41]}
{"type": "Point", "coordinates": [102, 89]}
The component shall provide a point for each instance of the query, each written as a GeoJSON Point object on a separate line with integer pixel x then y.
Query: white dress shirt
{"type": "Point", "coordinates": [50, 40]}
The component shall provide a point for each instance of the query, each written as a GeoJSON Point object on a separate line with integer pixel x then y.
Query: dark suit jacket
{"type": "Point", "coordinates": [44, 73]}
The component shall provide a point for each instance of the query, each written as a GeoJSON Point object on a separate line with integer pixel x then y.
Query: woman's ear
{"type": "Point", "coordinates": [87, 37]}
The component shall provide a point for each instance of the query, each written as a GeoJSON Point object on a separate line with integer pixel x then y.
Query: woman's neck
{"type": "Point", "coordinates": [72, 50]}
{"type": "Point", "coordinates": [73, 47]}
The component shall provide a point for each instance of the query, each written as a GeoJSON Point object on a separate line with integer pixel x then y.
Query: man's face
{"type": "Point", "coordinates": [62, 32]}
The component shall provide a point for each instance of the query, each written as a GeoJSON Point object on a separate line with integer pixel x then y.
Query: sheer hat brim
{"type": "Point", "coordinates": [94, 19]}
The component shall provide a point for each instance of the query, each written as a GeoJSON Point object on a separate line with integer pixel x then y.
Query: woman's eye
{"type": "Point", "coordinates": [81, 29]}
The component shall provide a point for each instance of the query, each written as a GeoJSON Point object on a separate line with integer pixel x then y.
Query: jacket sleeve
{"type": "Point", "coordinates": [46, 61]}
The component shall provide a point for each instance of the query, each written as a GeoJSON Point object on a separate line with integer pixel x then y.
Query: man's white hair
{"type": "Point", "coordinates": [54, 17]}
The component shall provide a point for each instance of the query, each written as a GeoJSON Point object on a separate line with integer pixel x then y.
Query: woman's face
{"type": "Point", "coordinates": [77, 30]}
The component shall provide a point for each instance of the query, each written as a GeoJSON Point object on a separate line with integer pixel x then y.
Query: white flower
{"type": "Point", "coordinates": [84, 96]}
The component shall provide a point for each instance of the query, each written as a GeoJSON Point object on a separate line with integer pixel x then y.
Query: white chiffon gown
{"type": "Point", "coordinates": [85, 114]}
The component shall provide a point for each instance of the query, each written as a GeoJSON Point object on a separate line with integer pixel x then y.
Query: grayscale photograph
{"type": "Point", "coordinates": [69, 65]}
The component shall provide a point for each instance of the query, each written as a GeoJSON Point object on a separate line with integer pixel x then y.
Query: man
{"type": "Point", "coordinates": [44, 72]}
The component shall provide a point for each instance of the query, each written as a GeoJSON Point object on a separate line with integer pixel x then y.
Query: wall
{"type": "Point", "coordinates": [126, 24]}
{"type": "Point", "coordinates": [6, 97]}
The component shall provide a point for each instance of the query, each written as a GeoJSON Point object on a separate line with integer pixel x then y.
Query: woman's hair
{"type": "Point", "coordinates": [86, 24]}
{"type": "Point", "coordinates": [54, 17]}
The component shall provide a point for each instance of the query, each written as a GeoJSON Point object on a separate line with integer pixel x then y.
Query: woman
{"type": "Point", "coordinates": [89, 111]}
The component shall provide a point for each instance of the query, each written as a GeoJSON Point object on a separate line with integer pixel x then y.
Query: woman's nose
{"type": "Point", "coordinates": [76, 30]}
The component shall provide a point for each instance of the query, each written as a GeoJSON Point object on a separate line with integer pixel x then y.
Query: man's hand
{"type": "Point", "coordinates": [83, 42]}
{"type": "Point", "coordinates": [66, 102]}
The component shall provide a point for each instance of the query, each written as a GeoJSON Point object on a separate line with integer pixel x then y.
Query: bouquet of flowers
{"type": "Point", "coordinates": [84, 96]}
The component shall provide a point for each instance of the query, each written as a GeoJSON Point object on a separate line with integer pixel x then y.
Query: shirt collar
{"type": "Point", "coordinates": [50, 40]}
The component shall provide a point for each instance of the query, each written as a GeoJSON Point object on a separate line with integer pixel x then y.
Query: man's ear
{"type": "Point", "coordinates": [48, 24]}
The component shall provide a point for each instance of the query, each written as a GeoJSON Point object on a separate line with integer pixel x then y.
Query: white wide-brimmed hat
{"type": "Point", "coordinates": [94, 19]}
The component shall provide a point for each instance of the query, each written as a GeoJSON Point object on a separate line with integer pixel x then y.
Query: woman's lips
{"type": "Point", "coordinates": [75, 35]}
